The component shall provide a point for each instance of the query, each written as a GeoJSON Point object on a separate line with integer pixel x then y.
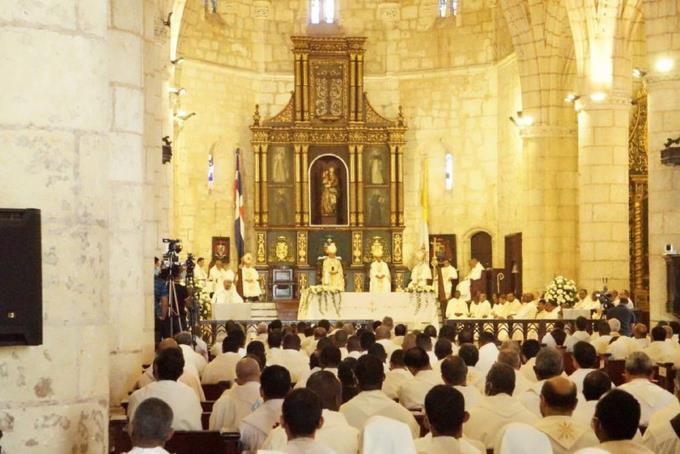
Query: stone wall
{"type": "Point", "coordinates": [83, 148]}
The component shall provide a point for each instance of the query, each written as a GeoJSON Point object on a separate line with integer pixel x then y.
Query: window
{"type": "Point", "coordinates": [322, 11]}
{"type": "Point", "coordinates": [447, 8]}
{"type": "Point", "coordinates": [448, 171]}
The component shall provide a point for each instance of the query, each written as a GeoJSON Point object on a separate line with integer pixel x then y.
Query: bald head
{"type": "Point", "coordinates": [409, 342]}
{"type": "Point", "coordinates": [166, 343]}
{"type": "Point", "coordinates": [247, 370]}
{"type": "Point", "coordinates": [558, 397]}
{"type": "Point", "coordinates": [382, 332]}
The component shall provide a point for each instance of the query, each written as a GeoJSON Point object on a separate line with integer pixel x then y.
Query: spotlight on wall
{"type": "Point", "coordinates": [178, 91]}
{"type": "Point", "coordinates": [571, 97]}
{"type": "Point", "coordinates": [177, 61]}
{"type": "Point", "coordinates": [663, 65]}
{"type": "Point", "coordinates": [166, 148]}
{"type": "Point", "coordinates": [639, 73]}
{"type": "Point", "coordinates": [598, 96]}
{"type": "Point", "coordinates": [522, 120]}
{"type": "Point", "coordinates": [167, 21]}
{"type": "Point", "coordinates": [183, 116]}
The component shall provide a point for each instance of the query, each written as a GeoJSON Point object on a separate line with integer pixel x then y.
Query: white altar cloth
{"type": "Point", "coordinates": [403, 307]}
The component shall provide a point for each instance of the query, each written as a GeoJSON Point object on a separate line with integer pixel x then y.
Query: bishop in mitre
{"type": "Point", "coordinates": [380, 273]}
{"type": "Point", "coordinates": [227, 293]}
{"type": "Point", "coordinates": [331, 270]}
{"type": "Point", "coordinates": [251, 279]}
{"type": "Point", "coordinates": [475, 273]}
{"type": "Point", "coordinates": [420, 273]}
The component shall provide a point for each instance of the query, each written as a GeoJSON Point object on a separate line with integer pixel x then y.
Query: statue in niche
{"type": "Point", "coordinates": [376, 169]}
{"type": "Point", "coordinates": [377, 209]}
{"type": "Point", "coordinates": [329, 193]}
{"type": "Point", "coordinates": [279, 167]}
{"type": "Point", "coordinates": [279, 208]}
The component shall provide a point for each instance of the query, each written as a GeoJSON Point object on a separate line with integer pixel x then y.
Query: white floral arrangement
{"type": "Point", "coordinates": [561, 291]}
{"type": "Point", "coordinates": [204, 303]}
{"type": "Point", "coordinates": [419, 287]}
{"type": "Point", "coordinates": [328, 296]}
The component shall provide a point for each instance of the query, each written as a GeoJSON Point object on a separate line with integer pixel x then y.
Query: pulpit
{"type": "Point", "coordinates": [328, 168]}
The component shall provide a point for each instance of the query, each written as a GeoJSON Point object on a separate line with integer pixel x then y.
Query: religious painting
{"type": "Point", "coordinates": [328, 191]}
{"type": "Point", "coordinates": [220, 248]}
{"type": "Point", "coordinates": [376, 165]}
{"type": "Point", "coordinates": [280, 166]}
{"type": "Point", "coordinates": [281, 247]}
{"type": "Point", "coordinates": [281, 206]}
{"type": "Point", "coordinates": [444, 247]}
{"type": "Point", "coordinates": [377, 206]}
{"type": "Point", "coordinates": [327, 82]}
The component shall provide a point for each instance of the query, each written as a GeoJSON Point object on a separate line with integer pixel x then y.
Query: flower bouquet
{"type": "Point", "coordinates": [561, 291]}
{"type": "Point", "coordinates": [327, 296]}
{"type": "Point", "coordinates": [418, 291]}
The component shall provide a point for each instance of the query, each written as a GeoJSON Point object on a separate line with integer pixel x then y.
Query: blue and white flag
{"type": "Point", "coordinates": [239, 210]}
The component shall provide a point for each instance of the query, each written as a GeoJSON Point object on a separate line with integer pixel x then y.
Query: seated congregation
{"type": "Point", "coordinates": [383, 389]}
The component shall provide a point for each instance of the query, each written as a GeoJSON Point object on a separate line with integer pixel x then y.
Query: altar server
{"type": "Point", "coordinates": [200, 276]}
{"type": "Point", "coordinates": [380, 274]}
{"type": "Point", "coordinates": [227, 294]}
{"type": "Point", "coordinates": [332, 274]}
{"type": "Point", "coordinates": [420, 273]}
{"type": "Point", "coordinates": [449, 276]}
{"type": "Point", "coordinates": [251, 279]}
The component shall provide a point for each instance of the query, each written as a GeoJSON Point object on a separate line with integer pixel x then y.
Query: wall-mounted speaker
{"type": "Point", "coordinates": [21, 320]}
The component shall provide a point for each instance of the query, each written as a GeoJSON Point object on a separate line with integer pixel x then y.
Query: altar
{"type": "Point", "coordinates": [403, 307]}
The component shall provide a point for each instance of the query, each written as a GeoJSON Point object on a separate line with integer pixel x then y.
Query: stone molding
{"type": "Point", "coordinates": [612, 102]}
{"type": "Point", "coordinates": [547, 131]}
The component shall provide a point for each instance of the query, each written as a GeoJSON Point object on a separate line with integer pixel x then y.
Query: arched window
{"type": "Point", "coordinates": [447, 8]}
{"type": "Point", "coordinates": [448, 171]}
{"type": "Point", "coordinates": [442, 8]}
{"type": "Point", "coordinates": [322, 11]}
{"type": "Point", "coordinates": [454, 7]}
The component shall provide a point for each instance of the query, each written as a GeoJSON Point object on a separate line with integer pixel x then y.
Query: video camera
{"type": "Point", "coordinates": [171, 257]}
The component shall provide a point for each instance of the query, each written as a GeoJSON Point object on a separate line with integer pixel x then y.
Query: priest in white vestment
{"type": "Point", "coordinates": [335, 433]}
{"type": "Point", "coordinates": [379, 274]}
{"type": "Point", "coordinates": [240, 400]}
{"type": "Point", "coordinates": [331, 269]}
{"type": "Point", "coordinates": [412, 393]}
{"type": "Point", "coordinates": [457, 308]}
{"type": "Point", "coordinates": [449, 276]}
{"type": "Point", "coordinates": [660, 435]}
{"type": "Point", "coordinates": [186, 407]}
{"type": "Point", "coordinates": [227, 294]}
{"type": "Point", "coordinates": [480, 307]}
{"type": "Point", "coordinates": [558, 401]}
{"type": "Point", "coordinates": [223, 367]}
{"type": "Point", "coordinates": [397, 376]}
{"type": "Point", "coordinates": [251, 279]}
{"type": "Point", "coordinates": [497, 408]}
{"type": "Point", "coordinates": [488, 352]}
{"type": "Point", "coordinates": [420, 273]}
{"type": "Point", "coordinates": [595, 385]}
{"type": "Point", "coordinates": [513, 305]}
{"type": "Point", "coordinates": [586, 360]}
{"type": "Point", "coordinates": [549, 364]}
{"type": "Point", "coordinates": [216, 276]}
{"type": "Point", "coordinates": [200, 276]}
{"type": "Point", "coordinates": [372, 401]}
{"type": "Point", "coordinates": [616, 421]}
{"type": "Point", "coordinates": [151, 427]}
{"type": "Point", "coordinates": [274, 387]}
{"type": "Point", "coordinates": [454, 372]}
{"type": "Point", "coordinates": [652, 397]}
{"type": "Point", "coordinates": [551, 311]}
{"type": "Point", "coordinates": [475, 273]}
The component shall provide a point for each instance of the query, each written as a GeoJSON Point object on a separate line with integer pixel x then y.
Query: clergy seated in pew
{"type": "Point", "coordinates": [239, 401]}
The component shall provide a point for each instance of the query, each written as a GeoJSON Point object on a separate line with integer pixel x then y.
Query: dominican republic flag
{"type": "Point", "coordinates": [239, 210]}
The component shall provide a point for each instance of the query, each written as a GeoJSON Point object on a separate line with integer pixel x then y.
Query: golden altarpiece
{"type": "Point", "coordinates": [328, 167]}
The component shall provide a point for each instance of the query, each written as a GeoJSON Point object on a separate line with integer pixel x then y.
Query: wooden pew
{"type": "Point", "coordinates": [205, 420]}
{"type": "Point", "coordinates": [208, 406]}
{"type": "Point", "coordinates": [420, 418]}
{"type": "Point", "coordinates": [182, 442]}
{"type": "Point", "coordinates": [567, 360]}
{"type": "Point", "coordinates": [214, 391]}
{"type": "Point", "coordinates": [664, 376]}
{"type": "Point", "coordinates": [615, 369]}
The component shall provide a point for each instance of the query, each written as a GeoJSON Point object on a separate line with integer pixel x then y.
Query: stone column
{"type": "Point", "coordinates": [603, 192]}
{"type": "Point", "coordinates": [662, 19]}
{"type": "Point", "coordinates": [55, 113]}
{"type": "Point", "coordinates": [549, 228]}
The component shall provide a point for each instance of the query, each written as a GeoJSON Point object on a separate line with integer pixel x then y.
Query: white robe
{"type": "Point", "coordinates": [412, 393]}
{"type": "Point", "coordinates": [420, 274]}
{"type": "Point", "coordinates": [394, 380]}
{"type": "Point", "coordinates": [295, 361]}
{"type": "Point", "coordinates": [335, 433]}
{"type": "Point", "coordinates": [306, 445]}
{"type": "Point", "coordinates": [577, 378]}
{"type": "Point", "coordinates": [251, 282]}
{"type": "Point", "coordinates": [449, 274]}
{"type": "Point", "coordinates": [457, 306]}
{"type": "Point", "coordinates": [156, 450]}
{"type": "Point", "coordinates": [200, 277]}
{"type": "Point", "coordinates": [491, 414]}
{"type": "Point", "coordinates": [224, 296]}
{"type": "Point", "coordinates": [444, 445]}
{"type": "Point", "coordinates": [189, 377]}
{"type": "Point", "coordinates": [216, 278]}
{"type": "Point", "coordinates": [186, 408]}
{"type": "Point", "coordinates": [488, 353]}
{"type": "Point", "coordinates": [660, 436]}
{"type": "Point", "coordinates": [480, 310]}
{"type": "Point", "coordinates": [624, 447]}
{"type": "Point", "coordinates": [651, 397]}
{"type": "Point", "coordinates": [222, 368]}
{"type": "Point", "coordinates": [527, 311]}
{"type": "Point", "coordinates": [368, 403]}
{"type": "Point", "coordinates": [471, 394]}
{"type": "Point", "coordinates": [233, 405]}
{"type": "Point", "coordinates": [380, 278]}
{"type": "Point", "coordinates": [195, 360]}
{"type": "Point", "coordinates": [255, 427]}
{"type": "Point", "coordinates": [573, 339]}
{"type": "Point", "coordinates": [566, 435]}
